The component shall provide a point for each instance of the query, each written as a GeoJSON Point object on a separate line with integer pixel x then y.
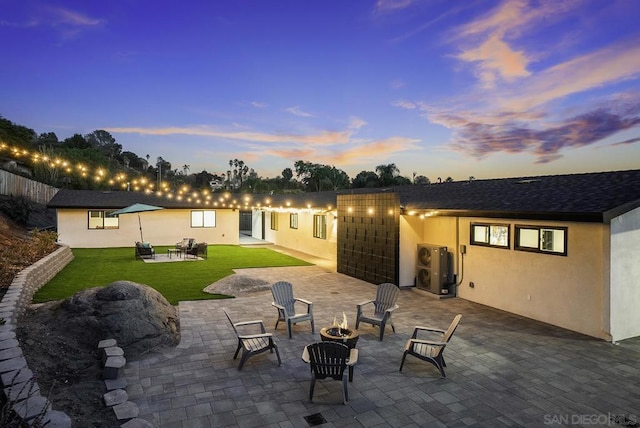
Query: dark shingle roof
{"type": "Point", "coordinates": [580, 197]}
{"type": "Point", "coordinates": [595, 197]}
{"type": "Point", "coordinates": [66, 198]}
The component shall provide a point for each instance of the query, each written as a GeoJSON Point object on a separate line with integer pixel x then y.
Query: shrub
{"type": "Point", "coordinates": [17, 257]}
{"type": "Point", "coordinates": [16, 208]}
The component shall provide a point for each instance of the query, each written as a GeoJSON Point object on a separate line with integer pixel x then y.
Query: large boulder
{"type": "Point", "coordinates": [136, 315]}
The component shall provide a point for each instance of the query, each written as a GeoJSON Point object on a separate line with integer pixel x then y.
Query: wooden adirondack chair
{"type": "Point", "coordinates": [383, 307]}
{"type": "Point", "coordinates": [284, 301]}
{"type": "Point", "coordinates": [430, 350]}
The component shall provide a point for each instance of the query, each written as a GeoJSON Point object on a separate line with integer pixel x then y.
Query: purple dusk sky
{"type": "Point", "coordinates": [439, 87]}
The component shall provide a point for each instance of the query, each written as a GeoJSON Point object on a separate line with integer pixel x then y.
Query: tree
{"type": "Point", "coordinates": [202, 180]}
{"type": "Point", "coordinates": [318, 177]}
{"type": "Point", "coordinates": [133, 160]}
{"type": "Point", "coordinates": [401, 181]}
{"type": "Point", "coordinates": [365, 179]}
{"type": "Point", "coordinates": [47, 139]}
{"type": "Point", "coordinates": [421, 180]}
{"type": "Point", "coordinates": [162, 166]}
{"type": "Point", "coordinates": [17, 135]}
{"type": "Point", "coordinates": [287, 175]}
{"type": "Point", "coordinates": [76, 141]}
{"type": "Point", "coordinates": [104, 142]}
{"type": "Point", "coordinates": [387, 174]}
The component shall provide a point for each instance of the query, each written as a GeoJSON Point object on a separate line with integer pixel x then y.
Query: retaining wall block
{"type": "Point", "coordinates": [56, 419]}
{"type": "Point", "coordinates": [32, 407]}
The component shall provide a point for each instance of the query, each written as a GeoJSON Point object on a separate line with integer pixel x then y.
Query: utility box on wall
{"type": "Point", "coordinates": [432, 268]}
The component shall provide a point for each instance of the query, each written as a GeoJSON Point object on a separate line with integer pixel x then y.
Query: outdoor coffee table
{"type": "Point", "coordinates": [174, 251]}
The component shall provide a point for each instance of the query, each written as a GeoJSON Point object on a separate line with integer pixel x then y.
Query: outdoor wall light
{"type": "Point", "coordinates": [370, 211]}
{"type": "Point", "coordinates": [349, 209]}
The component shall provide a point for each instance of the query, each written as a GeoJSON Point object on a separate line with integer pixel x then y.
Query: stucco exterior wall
{"type": "Point", "coordinates": [300, 239]}
{"type": "Point", "coordinates": [625, 276]}
{"type": "Point", "coordinates": [567, 291]}
{"type": "Point", "coordinates": [164, 227]}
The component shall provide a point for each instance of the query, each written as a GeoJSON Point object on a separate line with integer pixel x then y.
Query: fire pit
{"type": "Point", "coordinates": [343, 335]}
{"type": "Point", "coordinates": [339, 332]}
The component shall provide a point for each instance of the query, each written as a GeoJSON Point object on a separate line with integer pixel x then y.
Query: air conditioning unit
{"type": "Point", "coordinates": [432, 268]}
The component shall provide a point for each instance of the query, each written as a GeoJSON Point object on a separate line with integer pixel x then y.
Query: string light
{"type": "Point", "coordinates": [121, 180]}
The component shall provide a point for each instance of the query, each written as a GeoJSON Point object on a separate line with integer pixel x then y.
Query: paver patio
{"type": "Point", "coordinates": [502, 369]}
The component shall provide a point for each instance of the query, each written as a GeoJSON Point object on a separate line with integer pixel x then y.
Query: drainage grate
{"type": "Point", "coordinates": [315, 419]}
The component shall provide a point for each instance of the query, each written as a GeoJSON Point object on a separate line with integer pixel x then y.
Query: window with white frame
{"type": "Point", "coordinates": [274, 220]}
{"type": "Point", "coordinates": [99, 219]}
{"type": "Point", "coordinates": [203, 218]}
{"type": "Point", "coordinates": [490, 235]}
{"type": "Point", "coordinates": [293, 220]}
{"type": "Point", "coordinates": [320, 226]}
{"type": "Point", "coordinates": [541, 239]}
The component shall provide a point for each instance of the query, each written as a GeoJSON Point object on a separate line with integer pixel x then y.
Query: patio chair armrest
{"type": "Point", "coordinates": [244, 323]}
{"type": "Point", "coordinates": [364, 303]}
{"type": "Point", "coordinates": [428, 342]}
{"type": "Point", "coordinates": [255, 336]}
{"type": "Point", "coordinates": [353, 357]}
{"type": "Point", "coordinates": [278, 306]}
{"type": "Point", "coordinates": [306, 302]}
{"type": "Point", "coordinates": [393, 308]}
{"type": "Point", "coordinates": [430, 329]}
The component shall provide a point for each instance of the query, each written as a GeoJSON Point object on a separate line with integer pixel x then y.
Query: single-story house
{"type": "Point", "coordinates": [84, 219]}
{"type": "Point", "coordinates": [561, 249]}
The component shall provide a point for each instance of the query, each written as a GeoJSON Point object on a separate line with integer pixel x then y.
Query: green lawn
{"type": "Point", "coordinates": [93, 267]}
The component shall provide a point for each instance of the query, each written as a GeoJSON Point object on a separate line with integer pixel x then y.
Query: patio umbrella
{"type": "Point", "coordinates": [137, 208]}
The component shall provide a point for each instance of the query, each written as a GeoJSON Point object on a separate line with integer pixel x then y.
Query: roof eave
{"type": "Point", "coordinates": [524, 215]}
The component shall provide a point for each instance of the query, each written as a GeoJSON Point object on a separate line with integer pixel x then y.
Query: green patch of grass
{"type": "Point", "coordinates": [175, 281]}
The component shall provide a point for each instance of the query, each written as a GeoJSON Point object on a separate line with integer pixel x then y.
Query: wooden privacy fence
{"type": "Point", "coordinates": [16, 185]}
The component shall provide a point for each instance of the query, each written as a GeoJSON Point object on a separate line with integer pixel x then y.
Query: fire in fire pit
{"type": "Point", "coordinates": [339, 332]}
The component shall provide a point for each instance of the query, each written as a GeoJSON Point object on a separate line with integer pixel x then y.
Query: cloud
{"type": "Point", "coordinates": [297, 112]}
{"type": "Point", "coordinates": [258, 104]}
{"type": "Point", "coordinates": [629, 141]}
{"type": "Point", "coordinates": [322, 138]}
{"type": "Point", "coordinates": [357, 155]}
{"type": "Point", "coordinates": [31, 23]}
{"type": "Point", "coordinates": [517, 107]}
{"type": "Point", "coordinates": [66, 22]}
{"type": "Point", "coordinates": [423, 27]}
{"type": "Point", "coordinates": [497, 60]}
{"type": "Point", "coordinates": [356, 123]}
{"type": "Point", "coordinates": [373, 151]}
{"type": "Point", "coordinates": [544, 140]}
{"type": "Point", "coordinates": [386, 6]}
{"type": "Point", "coordinates": [62, 16]}
{"type": "Point", "coordinates": [612, 64]}
{"type": "Point", "coordinates": [488, 42]}
{"type": "Point", "coordinates": [407, 105]}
